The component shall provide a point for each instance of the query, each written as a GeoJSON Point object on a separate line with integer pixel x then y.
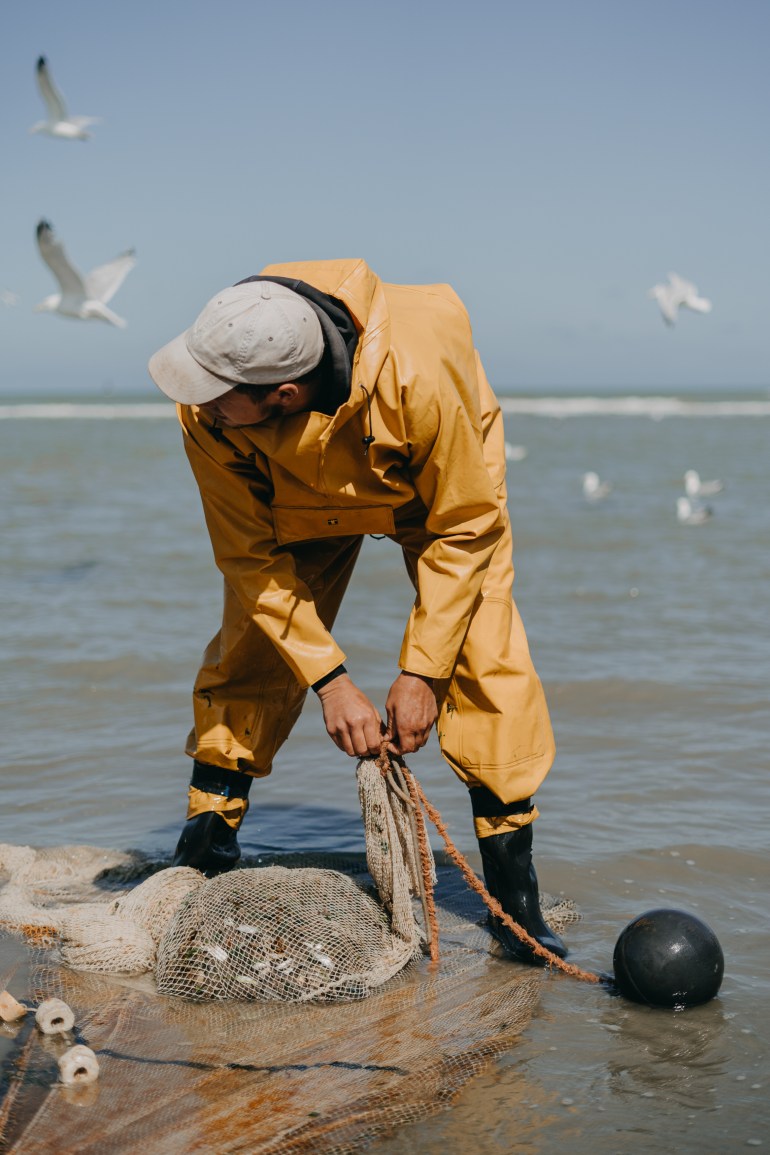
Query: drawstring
{"type": "Point", "coordinates": [368, 440]}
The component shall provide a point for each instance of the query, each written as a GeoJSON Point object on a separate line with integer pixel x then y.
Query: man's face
{"type": "Point", "coordinates": [252, 407]}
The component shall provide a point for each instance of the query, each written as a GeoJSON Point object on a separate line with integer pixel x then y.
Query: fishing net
{"type": "Point", "coordinates": [282, 934]}
{"type": "Point", "coordinates": [272, 933]}
{"type": "Point", "coordinates": [345, 1031]}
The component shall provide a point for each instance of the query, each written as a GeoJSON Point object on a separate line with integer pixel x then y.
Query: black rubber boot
{"type": "Point", "coordinates": [510, 878]}
{"type": "Point", "coordinates": [208, 843]}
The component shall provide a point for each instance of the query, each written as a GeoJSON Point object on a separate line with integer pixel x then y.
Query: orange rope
{"type": "Point", "coordinates": [385, 761]}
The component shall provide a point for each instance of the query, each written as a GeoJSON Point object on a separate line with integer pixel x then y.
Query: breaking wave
{"type": "Point", "coordinates": [82, 411]}
{"type": "Point", "coordinates": [656, 408]}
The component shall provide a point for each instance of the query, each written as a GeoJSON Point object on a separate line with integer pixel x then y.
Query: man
{"type": "Point", "coordinates": [318, 405]}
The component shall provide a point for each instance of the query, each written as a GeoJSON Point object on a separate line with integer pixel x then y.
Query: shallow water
{"type": "Point", "coordinates": [651, 638]}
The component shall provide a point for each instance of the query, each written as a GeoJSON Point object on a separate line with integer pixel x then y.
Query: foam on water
{"type": "Point", "coordinates": [64, 411]}
{"type": "Point", "coordinates": [655, 408]}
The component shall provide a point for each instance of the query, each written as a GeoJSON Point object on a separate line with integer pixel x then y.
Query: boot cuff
{"type": "Point", "coordinates": [485, 804]}
{"type": "Point", "coordinates": [232, 810]}
{"type": "Point", "coordinates": [484, 827]}
{"type": "Point", "coordinates": [216, 780]}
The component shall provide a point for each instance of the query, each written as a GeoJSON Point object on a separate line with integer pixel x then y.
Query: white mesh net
{"type": "Point", "coordinates": [284, 1063]}
{"type": "Point", "coordinates": [274, 933]}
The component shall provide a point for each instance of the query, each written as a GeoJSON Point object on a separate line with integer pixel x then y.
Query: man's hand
{"type": "Point", "coordinates": [412, 711]}
{"type": "Point", "coordinates": [352, 722]}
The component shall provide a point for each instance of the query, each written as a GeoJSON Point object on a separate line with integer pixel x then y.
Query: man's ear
{"type": "Point", "coordinates": [287, 392]}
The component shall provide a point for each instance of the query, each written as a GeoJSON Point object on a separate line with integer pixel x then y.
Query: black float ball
{"type": "Point", "coordinates": [668, 958]}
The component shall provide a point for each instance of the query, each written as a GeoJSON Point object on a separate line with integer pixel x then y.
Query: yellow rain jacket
{"type": "Point", "coordinates": [286, 505]}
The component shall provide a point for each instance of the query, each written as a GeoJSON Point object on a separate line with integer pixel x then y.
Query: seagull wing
{"type": "Point", "coordinates": [699, 304]}
{"type": "Point", "coordinates": [54, 101]}
{"type": "Point", "coordinates": [103, 282]}
{"type": "Point", "coordinates": [52, 252]}
{"type": "Point", "coordinates": [685, 290]}
{"type": "Point", "coordinates": [686, 293]}
{"type": "Point", "coordinates": [668, 302]}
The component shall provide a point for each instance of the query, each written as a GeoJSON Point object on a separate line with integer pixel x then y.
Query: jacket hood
{"type": "Point", "coordinates": [349, 280]}
{"type": "Point", "coordinates": [360, 290]}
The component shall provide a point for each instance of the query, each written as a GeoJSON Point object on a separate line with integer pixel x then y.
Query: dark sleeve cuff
{"type": "Point", "coordinates": [335, 673]}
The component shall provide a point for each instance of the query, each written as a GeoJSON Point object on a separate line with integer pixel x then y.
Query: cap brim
{"type": "Point", "coordinates": [176, 372]}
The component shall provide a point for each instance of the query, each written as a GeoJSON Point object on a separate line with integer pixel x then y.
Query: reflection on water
{"type": "Point", "coordinates": [300, 827]}
{"type": "Point", "coordinates": [676, 1053]}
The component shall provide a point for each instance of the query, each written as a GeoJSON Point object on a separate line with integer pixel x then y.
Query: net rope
{"type": "Point", "coordinates": [400, 778]}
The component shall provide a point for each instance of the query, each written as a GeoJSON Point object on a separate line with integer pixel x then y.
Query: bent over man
{"type": "Point", "coordinates": [320, 404]}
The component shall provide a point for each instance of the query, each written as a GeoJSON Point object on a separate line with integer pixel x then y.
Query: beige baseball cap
{"type": "Point", "coordinates": [258, 333]}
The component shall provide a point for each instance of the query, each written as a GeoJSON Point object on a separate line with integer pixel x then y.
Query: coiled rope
{"type": "Point", "coordinates": [402, 781]}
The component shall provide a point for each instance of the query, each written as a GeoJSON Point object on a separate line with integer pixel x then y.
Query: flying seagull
{"type": "Point", "coordinates": [59, 123]}
{"type": "Point", "coordinates": [677, 294]}
{"type": "Point", "coordinates": [81, 296]}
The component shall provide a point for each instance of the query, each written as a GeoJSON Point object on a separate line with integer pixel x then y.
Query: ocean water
{"type": "Point", "coordinates": [651, 638]}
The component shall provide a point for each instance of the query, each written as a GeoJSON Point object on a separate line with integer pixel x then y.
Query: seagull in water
{"type": "Point", "coordinates": [59, 122]}
{"type": "Point", "coordinates": [688, 513]}
{"type": "Point", "coordinates": [593, 488]}
{"type": "Point", "coordinates": [677, 294]}
{"type": "Point", "coordinates": [81, 296]}
{"type": "Point", "coordinates": [694, 487]}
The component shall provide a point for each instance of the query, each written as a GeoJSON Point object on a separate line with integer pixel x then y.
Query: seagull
{"type": "Point", "coordinates": [694, 487]}
{"type": "Point", "coordinates": [515, 452]}
{"type": "Point", "coordinates": [82, 297]}
{"type": "Point", "coordinates": [677, 294]}
{"type": "Point", "coordinates": [593, 488]}
{"type": "Point", "coordinates": [689, 513]}
{"type": "Point", "coordinates": [59, 123]}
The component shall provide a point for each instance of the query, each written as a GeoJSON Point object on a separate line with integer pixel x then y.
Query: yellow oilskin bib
{"type": "Point", "coordinates": [287, 502]}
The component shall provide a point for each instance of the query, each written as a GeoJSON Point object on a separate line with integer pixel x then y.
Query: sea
{"type": "Point", "coordinates": [651, 637]}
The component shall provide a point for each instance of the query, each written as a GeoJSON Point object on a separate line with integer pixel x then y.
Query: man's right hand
{"type": "Point", "coordinates": [352, 722]}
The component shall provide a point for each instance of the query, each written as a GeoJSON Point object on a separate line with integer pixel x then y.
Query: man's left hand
{"type": "Point", "coordinates": [412, 712]}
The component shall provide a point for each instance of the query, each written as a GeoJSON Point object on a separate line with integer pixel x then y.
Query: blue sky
{"type": "Point", "coordinates": [552, 161]}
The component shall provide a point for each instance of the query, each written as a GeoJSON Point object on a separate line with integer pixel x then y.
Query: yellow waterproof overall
{"type": "Point", "coordinates": [287, 504]}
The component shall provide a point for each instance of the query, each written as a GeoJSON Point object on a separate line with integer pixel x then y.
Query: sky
{"type": "Point", "coordinates": [551, 160]}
